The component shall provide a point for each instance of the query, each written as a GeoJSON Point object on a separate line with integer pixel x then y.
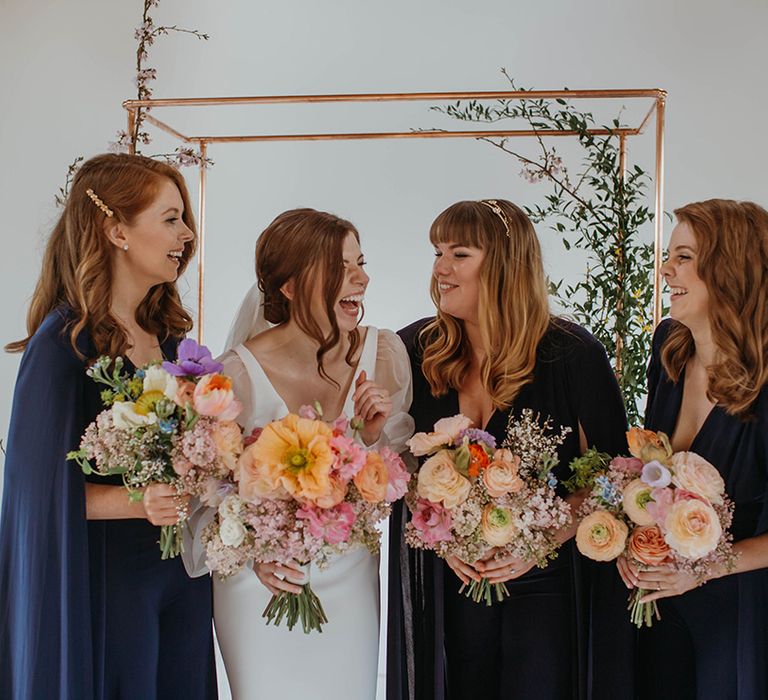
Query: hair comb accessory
{"type": "Point", "coordinates": [97, 201]}
{"type": "Point", "coordinates": [494, 206]}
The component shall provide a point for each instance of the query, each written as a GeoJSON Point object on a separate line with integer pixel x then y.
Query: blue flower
{"type": "Point", "coordinates": [167, 425]}
{"type": "Point", "coordinates": [140, 373]}
{"type": "Point", "coordinates": [608, 491]}
{"type": "Point", "coordinates": [551, 480]}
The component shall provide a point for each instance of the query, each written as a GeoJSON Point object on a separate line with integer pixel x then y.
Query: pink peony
{"type": "Point", "coordinates": [214, 397]}
{"type": "Point", "coordinates": [629, 465]}
{"type": "Point", "coordinates": [432, 521]}
{"type": "Point", "coordinates": [397, 474]}
{"type": "Point", "coordinates": [333, 525]}
{"type": "Point", "coordinates": [349, 457]}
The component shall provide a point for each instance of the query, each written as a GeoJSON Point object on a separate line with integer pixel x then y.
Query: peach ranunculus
{"type": "Point", "coordinates": [293, 453]}
{"type": "Point", "coordinates": [335, 495]}
{"type": "Point", "coordinates": [497, 525]}
{"type": "Point", "coordinates": [214, 397]}
{"type": "Point", "coordinates": [438, 481]}
{"type": "Point", "coordinates": [693, 473]}
{"type": "Point", "coordinates": [601, 536]}
{"type": "Point", "coordinates": [446, 432]}
{"type": "Point", "coordinates": [692, 528]}
{"type": "Point", "coordinates": [501, 475]}
{"type": "Point", "coordinates": [647, 545]}
{"type": "Point", "coordinates": [634, 498]}
{"type": "Point", "coordinates": [648, 445]}
{"type": "Point", "coordinates": [228, 439]}
{"type": "Point", "coordinates": [372, 480]}
{"type": "Point", "coordinates": [185, 393]}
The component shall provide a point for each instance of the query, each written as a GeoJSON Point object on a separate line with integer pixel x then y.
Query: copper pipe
{"type": "Point", "coordinates": [167, 129]}
{"type": "Point", "coordinates": [131, 127]}
{"type": "Point", "coordinates": [659, 212]}
{"type": "Point", "coordinates": [201, 244]}
{"type": "Point", "coordinates": [498, 133]}
{"type": "Point", "coordinates": [395, 97]}
{"type": "Point", "coordinates": [622, 279]}
{"type": "Point", "coordinates": [646, 119]}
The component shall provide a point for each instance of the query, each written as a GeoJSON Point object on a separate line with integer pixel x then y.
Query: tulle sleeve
{"type": "Point", "coordinates": [393, 372]}
{"type": "Point", "coordinates": [199, 515]}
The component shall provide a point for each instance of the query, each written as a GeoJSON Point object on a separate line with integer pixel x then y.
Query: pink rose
{"type": "Point", "coordinates": [629, 465]}
{"type": "Point", "coordinates": [692, 528]}
{"type": "Point", "coordinates": [446, 432]}
{"type": "Point", "coordinates": [501, 475]}
{"type": "Point", "coordinates": [432, 521]}
{"type": "Point", "coordinates": [333, 525]}
{"type": "Point", "coordinates": [438, 481]}
{"type": "Point", "coordinates": [214, 397]}
{"type": "Point", "coordinates": [398, 476]}
{"type": "Point", "coordinates": [693, 473]}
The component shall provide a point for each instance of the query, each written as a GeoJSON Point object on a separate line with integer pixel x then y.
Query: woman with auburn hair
{"type": "Point", "coordinates": [297, 340]}
{"type": "Point", "coordinates": [87, 607]}
{"type": "Point", "coordinates": [492, 350]}
{"type": "Point", "coordinates": [708, 390]}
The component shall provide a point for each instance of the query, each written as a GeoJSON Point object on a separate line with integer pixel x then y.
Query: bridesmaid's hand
{"type": "Point", "coordinates": [162, 505]}
{"type": "Point", "coordinates": [664, 582]}
{"type": "Point", "coordinates": [464, 571]}
{"type": "Point", "coordinates": [373, 405]}
{"type": "Point", "coordinates": [627, 572]}
{"type": "Point", "coordinates": [270, 575]}
{"type": "Point", "coordinates": [502, 569]}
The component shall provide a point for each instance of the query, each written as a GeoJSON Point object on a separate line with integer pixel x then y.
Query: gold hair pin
{"type": "Point", "coordinates": [97, 201]}
{"type": "Point", "coordinates": [494, 206]}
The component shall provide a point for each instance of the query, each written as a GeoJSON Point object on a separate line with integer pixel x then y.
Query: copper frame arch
{"type": "Point", "coordinates": [657, 108]}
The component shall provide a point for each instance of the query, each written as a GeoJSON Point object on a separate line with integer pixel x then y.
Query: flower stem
{"type": "Point", "coordinates": [294, 607]}
{"type": "Point", "coordinates": [642, 614]}
{"type": "Point", "coordinates": [484, 591]}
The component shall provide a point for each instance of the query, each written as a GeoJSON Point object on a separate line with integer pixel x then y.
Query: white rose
{"type": "Point", "coordinates": [232, 532]}
{"type": "Point", "coordinates": [124, 416]}
{"type": "Point", "coordinates": [230, 507]}
{"type": "Point", "coordinates": [157, 379]}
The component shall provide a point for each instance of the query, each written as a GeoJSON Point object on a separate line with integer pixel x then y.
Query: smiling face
{"type": "Point", "coordinates": [689, 297]}
{"type": "Point", "coordinates": [349, 302]}
{"type": "Point", "coordinates": [156, 238]}
{"type": "Point", "coordinates": [457, 273]}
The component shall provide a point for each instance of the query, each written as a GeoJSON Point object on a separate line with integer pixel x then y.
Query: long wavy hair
{"type": "Point", "coordinates": [732, 261]}
{"type": "Point", "coordinates": [77, 264]}
{"type": "Point", "coordinates": [305, 245]}
{"type": "Point", "coordinates": [513, 306]}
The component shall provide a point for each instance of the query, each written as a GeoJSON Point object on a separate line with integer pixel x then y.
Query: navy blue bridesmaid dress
{"type": "Point", "coordinates": [88, 610]}
{"type": "Point", "coordinates": [535, 643]}
{"type": "Point", "coordinates": [713, 639]}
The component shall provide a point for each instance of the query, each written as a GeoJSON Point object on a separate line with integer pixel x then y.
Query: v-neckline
{"type": "Point", "coordinates": [350, 390]}
{"type": "Point", "coordinates": [679, 388]}
{"type": "Point", "coordinates": [457, 406]}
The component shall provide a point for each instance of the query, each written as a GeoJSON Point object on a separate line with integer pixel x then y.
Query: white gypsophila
{"type": "Point", "coordinates": [231, 507]}
{"type": "Point", "coordinates": [124, 416]}
{"type": "Point", "coordinates": [232, 532]}
{"type": "Point", "coordinates": [157, 379]}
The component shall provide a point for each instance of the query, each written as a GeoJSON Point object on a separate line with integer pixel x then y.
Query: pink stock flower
{"type": "Point", "coordinates": [398, 475]}
{"type": "Point", "coordinates": [433, 522]}
{"type": "Point", "coordinates": [658, 507]}
{"type": "Point", "coordinates": [214, 397]}
{"type": "Point", "coordinates": [629, 465]}
{"type": "Point", "coordinates": [333, 525]}
{"type": "Point", "coordinates": [349, 457]}
{"type": "Point", "coordinates": [340, 425]}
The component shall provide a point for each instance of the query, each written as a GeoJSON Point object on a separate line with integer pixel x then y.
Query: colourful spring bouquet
{"type": "Point", "coordinates": [170, 423]}
{"type": "Point", "coordinates": [305, 491]}
{"type": "Point", "coordinates": [657, 507]}
{"type": "Point", "coordinates": [470, 498]}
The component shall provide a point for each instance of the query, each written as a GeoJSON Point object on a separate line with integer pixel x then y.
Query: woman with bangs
{"type": "Point", "coordinates": [492, 350]}
{"type": "Point", "coordinates": [708, 390]}
{"type": "Point", "coordinates": [88, 610]}
{"type": "Point", "coordinates": [297, 340]}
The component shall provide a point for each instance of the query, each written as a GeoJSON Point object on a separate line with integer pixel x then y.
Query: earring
{"type": "Point", "coordinates": [125, 247]}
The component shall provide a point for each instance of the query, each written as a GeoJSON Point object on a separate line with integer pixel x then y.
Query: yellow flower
{"type": "Point", "coordinates": [145, 404]}
{"type": "Point", "coordinates": [294, 453]}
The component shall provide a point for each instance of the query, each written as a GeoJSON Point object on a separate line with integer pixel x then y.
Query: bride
{"type": "Point", "coordinates": [296, 340]}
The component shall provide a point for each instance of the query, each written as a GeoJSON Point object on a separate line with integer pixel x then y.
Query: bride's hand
{"type": "Point", "coordinates": [269, 574]}
{"type": "Point", "coordinates": [373, 405]}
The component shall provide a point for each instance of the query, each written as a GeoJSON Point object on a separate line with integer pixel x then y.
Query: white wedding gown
{"type": "Point", "coordinates": [263, 661]}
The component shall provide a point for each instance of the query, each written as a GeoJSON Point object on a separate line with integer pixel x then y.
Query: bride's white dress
{"type": "Point", "coordinates": [263, 661]}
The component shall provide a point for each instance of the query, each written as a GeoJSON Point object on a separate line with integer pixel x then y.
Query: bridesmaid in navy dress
{"type": "Point", "coordinates": [708, 390]}
{"type": "Point", "coordinates": [492, 350]}
{"type": "Point", "coordinates": [88, 610]}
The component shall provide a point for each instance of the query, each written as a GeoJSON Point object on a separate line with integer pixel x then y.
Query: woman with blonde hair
{"type": "Point", "coordinates": [708, 390]}
{"type": "Point", "coordinates": [492, 350]}
{"type": "Point", "coordinates": [88, 610]}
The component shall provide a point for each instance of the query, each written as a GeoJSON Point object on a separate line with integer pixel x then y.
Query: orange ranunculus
{"type": "Point", "coordinates": [648, 445]}
{"type": "Point", "coordinates": [478, 460]}
{"type": "Point", "coordinates": [501, 476]}
{"type": "Point", "coordinates": [601, 536]}
{"type": "Point", "coordinates": [692, 528]}
{"type": "Point", "coordinates": [372, 479]}
{"type": "Point", "coordinates": [294, 453]}
{"type": "Point", "coordinates": [647, 545]}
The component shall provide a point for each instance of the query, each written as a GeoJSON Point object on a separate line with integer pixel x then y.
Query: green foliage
{"type": "Point", "coordinates": [599, 210]}
{"type": "Point", "coordinates": [586, 468]}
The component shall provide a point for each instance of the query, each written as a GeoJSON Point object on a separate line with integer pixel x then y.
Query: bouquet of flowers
{"type": "Point", "coordinates": [470, 498]}
{"type": "Point", "coordinates": [170, 423]}
{"type": "Point", "coordinates": [656, 507]}
{"type": "Point", "coordinates": [305, 491]}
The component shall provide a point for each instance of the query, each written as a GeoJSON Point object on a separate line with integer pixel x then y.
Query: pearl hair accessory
{"type": "Point", "coordinates": [494, 206]}
{"type": "Point", "coordinates": [97, 201]}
